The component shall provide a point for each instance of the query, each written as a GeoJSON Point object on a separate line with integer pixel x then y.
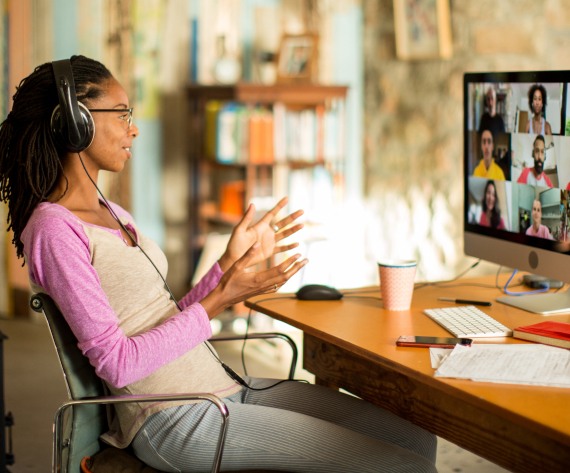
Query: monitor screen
{"type": "Point", "coordinates": [517, 172]}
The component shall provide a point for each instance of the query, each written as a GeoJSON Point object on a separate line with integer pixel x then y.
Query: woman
{"type": "Point", "coordinates": [491, 216]}
{"type": "Point", "coordinates": [537, 105]}
{"type": "Point", "coordinates": [89, 255]}
{"type": "Point", "coordinates": [537, 229]}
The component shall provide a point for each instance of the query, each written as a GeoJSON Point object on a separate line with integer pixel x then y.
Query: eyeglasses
{"type": "Point", "coordinates": [127, 114]}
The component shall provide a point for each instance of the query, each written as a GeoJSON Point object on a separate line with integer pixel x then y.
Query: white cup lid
{"type": "Point", "coordinates": [397, 263]}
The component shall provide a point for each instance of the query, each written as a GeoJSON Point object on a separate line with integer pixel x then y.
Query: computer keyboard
{"type": "Point", "coordinates": [468, 322]}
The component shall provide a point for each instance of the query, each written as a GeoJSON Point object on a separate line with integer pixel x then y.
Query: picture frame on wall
{"type": "Point", "coordinates": [423, 29]}
{"type": "Point", "coordinates": [297, 58]}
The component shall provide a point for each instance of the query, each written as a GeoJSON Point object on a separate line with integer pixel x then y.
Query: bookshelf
{"type": "Point", "coordinates": [257, 143]}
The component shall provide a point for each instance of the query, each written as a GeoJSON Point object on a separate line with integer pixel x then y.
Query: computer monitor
{"type": "Point", "coordinates": [517, 177]}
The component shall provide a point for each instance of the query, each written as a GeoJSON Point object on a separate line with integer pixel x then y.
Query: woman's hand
{"type": "Point", "coordinates": [239, 283]}
{"type": "Point", "coordinates": [266, 233]}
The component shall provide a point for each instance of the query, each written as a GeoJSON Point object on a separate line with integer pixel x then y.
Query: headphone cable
{"type": "Point", "coordinates": [125, 229]}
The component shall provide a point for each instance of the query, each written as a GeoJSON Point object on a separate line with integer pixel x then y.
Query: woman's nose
{"type": "Point", "coordinates": [133, 130]}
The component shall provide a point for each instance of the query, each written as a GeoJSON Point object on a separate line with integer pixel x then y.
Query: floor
{"type": "Point", "coordinates": [34, 388]}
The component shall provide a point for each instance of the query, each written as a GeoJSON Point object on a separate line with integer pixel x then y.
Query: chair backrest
{"type": "Point", "coordinates": [87, 422]}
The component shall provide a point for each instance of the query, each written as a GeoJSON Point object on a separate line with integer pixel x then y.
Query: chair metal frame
{"type": "Point", "coordinates": [60, 442]}
{"type": "Point", "coordinates": [75, 365]}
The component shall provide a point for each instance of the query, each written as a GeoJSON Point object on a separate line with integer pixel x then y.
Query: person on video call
{"type": "Point", "coordinates": [535, 175]}
{"type": "Point", "coordinates": [491, 120]}
{"type": "Point", "coordinates": [537, 124]}
{"type": "Point", "coordinates": [89, 255]}
{"type": "Point", "coordinates": [491, 215]}
{"type": "Point", "coordinates": [537, 229]}
{"type": "Point", "coordinates": [487, 166]}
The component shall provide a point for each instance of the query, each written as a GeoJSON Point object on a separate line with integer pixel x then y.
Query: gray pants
{"type": "Point", "coordinates": [293, 427]}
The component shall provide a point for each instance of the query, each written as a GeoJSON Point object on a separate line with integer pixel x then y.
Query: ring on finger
{"type": "Point", "coordinates": [275, 228]}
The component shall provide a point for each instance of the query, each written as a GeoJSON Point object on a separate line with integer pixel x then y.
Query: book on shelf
{"type": "Point", "coordinates": [226, 130]}
{"type": "Point", "coordinates": [261, 136]}
{"type": "Point", "coordinates": [307, 135]}
{"type": "Point", "coordinates": [279, 141]}
{"type": "Point", "coordinates": [550, 333]}
{"type": "Point", "coordinates": [210, 126]}
{"type": "Point", "coordinates": [242, 134]}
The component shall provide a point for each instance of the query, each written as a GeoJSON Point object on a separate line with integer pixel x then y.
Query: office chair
{"type": "Point", "coordinates": [79, 422]}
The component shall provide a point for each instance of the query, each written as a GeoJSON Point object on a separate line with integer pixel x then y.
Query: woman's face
{"type": "Point", "coordinates": [490, 197]}
{"type": "Point", "coordinates": [111, 147]}
{"type": "Point", "coordinates": [537, 102]}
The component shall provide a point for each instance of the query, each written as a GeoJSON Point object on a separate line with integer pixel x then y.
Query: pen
{"type": "Point", "coordinates": [464, 301]}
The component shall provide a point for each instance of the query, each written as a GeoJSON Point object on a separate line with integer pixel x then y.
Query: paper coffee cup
{"type": "Point", "coordinates": [397, 283]}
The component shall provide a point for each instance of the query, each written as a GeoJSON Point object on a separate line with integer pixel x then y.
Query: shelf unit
{"type": "Point", "coordinates": [269, 177]}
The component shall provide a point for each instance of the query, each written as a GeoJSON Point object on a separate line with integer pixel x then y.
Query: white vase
{"type": "Point", "coordinates": [227, 68]}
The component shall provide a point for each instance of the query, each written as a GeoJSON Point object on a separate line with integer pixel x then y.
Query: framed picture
{"type": "Point", "coordinates": [423, 29]}
{"type": "Point", "coordinates": [297, 58]}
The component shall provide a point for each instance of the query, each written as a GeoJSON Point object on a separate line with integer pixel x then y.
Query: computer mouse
{"type": "Point", "coordinates": [318, 292]}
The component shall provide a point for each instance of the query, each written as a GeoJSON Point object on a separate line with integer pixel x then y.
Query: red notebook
{"type": "Point", "coordinates": [549, 333]}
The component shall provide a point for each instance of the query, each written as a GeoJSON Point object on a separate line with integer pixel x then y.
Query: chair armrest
{"type": "Point", "coordinates": [266, 335]}
{"type": "Point", "coordinates": [59, 417]}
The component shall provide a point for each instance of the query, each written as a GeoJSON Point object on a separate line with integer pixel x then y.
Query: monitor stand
{"type": "Point", "coordinates": [550, 303]}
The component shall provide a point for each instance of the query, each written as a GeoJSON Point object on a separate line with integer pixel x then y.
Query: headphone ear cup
{"type": "Point", "coordinates": [84, 124]}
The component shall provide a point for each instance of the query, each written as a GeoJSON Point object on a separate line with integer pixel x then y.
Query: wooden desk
{"type": "Point", "coordinates": [350, 344]}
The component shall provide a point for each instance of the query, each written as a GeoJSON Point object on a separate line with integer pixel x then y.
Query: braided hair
{"type": "Point", "coordinates": [30, 158]}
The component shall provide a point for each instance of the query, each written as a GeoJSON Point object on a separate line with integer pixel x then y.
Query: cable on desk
{"type": "Point", "coordinates": [447, 283]}
{"type": "Point", "coordinates": [359, 293]}
{"type": "Point", "coordinates": [506, 290]}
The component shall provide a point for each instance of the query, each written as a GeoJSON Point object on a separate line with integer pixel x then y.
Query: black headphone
{"type": "Point", "coordinates": [71, 122]}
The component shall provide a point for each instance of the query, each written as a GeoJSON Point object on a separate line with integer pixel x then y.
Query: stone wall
{"type": "Point", "coordinates": [413, 125]}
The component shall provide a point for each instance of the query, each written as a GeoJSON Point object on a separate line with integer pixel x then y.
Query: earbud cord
{"type": "Point", "coordinates": [231, 373]}
{"type": "Point", "coordinates": [125, 229]}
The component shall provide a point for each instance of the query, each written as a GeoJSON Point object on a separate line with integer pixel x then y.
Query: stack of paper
{"type": "Point", "coordinates": [518, 364]}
